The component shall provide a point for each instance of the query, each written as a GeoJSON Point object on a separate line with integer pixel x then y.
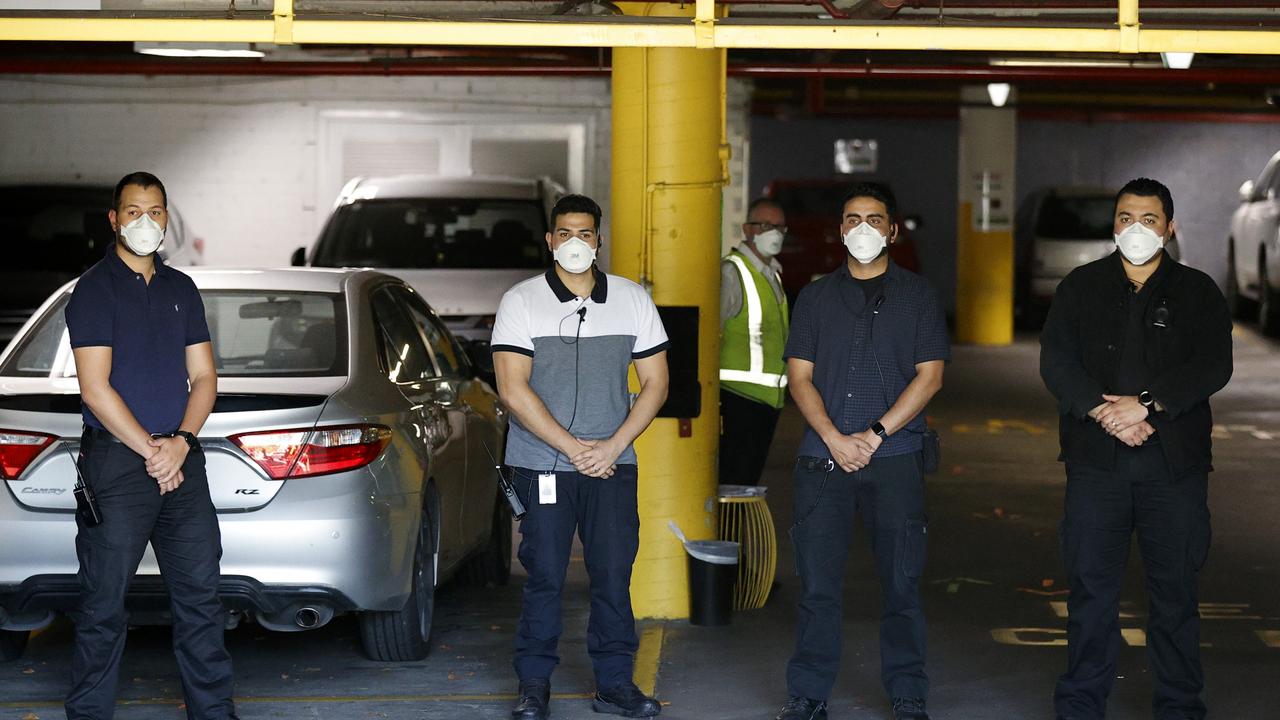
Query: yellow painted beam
{"type": "Point", "coordinates": [282, 15]}
{"type": "Point", "coordinates": [690, 32]}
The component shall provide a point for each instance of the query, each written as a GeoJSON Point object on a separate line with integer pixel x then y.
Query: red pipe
{"type": "Point", "coordinates": [945, 73]}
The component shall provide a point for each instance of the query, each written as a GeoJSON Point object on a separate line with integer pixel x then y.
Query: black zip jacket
{"type": "Point", "coordinates": [1186, 349]}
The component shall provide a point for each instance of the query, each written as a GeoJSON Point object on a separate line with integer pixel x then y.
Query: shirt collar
{"type": "Point", "coordinates": [119, 267]}
{"type": "Point", "coordinates": [598, 293]}
{"type": "Point", "coordinates": [751, 257]}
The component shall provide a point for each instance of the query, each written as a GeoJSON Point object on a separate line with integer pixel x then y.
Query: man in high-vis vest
{"type": "Point", "coordinates": [753, 323]}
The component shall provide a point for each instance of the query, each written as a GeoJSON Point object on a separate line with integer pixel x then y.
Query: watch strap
{"type": "Point", "coordinates": [192, 442]}
{"type": "Point", "coordinates": [878, 428]}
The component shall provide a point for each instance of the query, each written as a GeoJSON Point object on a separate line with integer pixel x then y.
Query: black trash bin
{"type": "Point", "coordinates": [713, 569]}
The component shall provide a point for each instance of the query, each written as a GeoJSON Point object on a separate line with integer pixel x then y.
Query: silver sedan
{"type": "Point", "coordinates": [347, 454]}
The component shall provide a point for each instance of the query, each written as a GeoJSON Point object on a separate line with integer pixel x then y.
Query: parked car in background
{"type": "Point", "coordinates": [813, 246]}
{"type": "Point", "coordinates": [1059, 229]}
{"type": "Point", "coordinates": [347, 454]}
{"type": "Point", "coordinates": [459, 241]}
{"type": "Point", "coordinates": [53, 233]}
{"type": "Point", "coordinates": [1253, 250]}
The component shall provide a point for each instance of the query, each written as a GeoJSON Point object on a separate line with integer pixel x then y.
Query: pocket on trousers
{"type": "Point", "coordinates": [914, 544]}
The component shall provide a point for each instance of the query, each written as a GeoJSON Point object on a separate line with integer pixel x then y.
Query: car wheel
{"type": "Point", "coordinates": [405, 635]}
{"type": "Point", "coordinates": [1268, 303]}
{"type": "Point", "coordinates": [492, 566]}
{"type": "Point", "coordinates": [1241, 306]}
{"type": "Point", "coordinates": [12, 644]}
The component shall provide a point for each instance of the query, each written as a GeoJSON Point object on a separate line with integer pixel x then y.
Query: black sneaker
{"type": "Point", "coordinates": [909, 708]}
{"type": "Point", "coordinates": [625, 700]}
{"type": "Point", "coordinates": [534, 702]}
{"type": "Point", "coordinates": [802, 708]}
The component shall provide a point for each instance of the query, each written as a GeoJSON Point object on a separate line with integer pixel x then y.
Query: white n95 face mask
{"type": "Point", "coordinates": [864, 243]}
{"type": "Point", "coordinates": [1138, 243]}
{"type": "Point", "coordinates": [142, 236]}
{"type": "Point", "coordinates": [769, 242]}
{"type": "Point", "coordinates": [575, 255]}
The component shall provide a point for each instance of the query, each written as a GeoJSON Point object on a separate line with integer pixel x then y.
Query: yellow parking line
{"type": "Point", "coordinates": [648, 656]}
{"type": "Point", "coordinates": [332, 699]}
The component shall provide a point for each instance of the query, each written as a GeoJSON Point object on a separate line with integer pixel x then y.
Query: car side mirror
{"type": "Point", "coordinates": [299, 257]}
{"type": "Point", "coordinates": [1246, 191]}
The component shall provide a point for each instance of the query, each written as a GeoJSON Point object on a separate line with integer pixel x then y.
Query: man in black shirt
{"type": "Point", "coordinates": [1133, 347]}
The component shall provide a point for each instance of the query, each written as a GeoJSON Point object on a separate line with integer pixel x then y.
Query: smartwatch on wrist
{"type": "Point", "coordinates": [1145, 398]}
{"type": "Point", "coordinates": [878, 429]}
{"type": "Point", "coordinates": [192, 442]}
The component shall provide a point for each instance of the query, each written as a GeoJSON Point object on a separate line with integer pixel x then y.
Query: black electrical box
{"type": "Point", "coordinates": [684, 397]}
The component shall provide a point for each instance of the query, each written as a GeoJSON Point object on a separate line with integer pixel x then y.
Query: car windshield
{"type": "Point", "coordinates": [1076, 218]}
{"type": "Point", "coordinates": [255, 334]}
{"type": "Point", "coordinates": [436, 233]}
{"type": "Point", "coordinates": [58, 229]}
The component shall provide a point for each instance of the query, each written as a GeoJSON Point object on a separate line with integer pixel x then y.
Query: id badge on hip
{"type": "Point", "coordinates": [547, 489]}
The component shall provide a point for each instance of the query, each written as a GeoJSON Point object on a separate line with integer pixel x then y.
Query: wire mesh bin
{"type": "Point", "coordinates": [746, 520]}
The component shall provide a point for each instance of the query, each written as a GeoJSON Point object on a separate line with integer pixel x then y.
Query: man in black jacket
{"type": "Point", "coordinates": [1133, 347]}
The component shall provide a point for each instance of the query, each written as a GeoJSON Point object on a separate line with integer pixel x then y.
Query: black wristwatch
{"type": "Point", "coordinates": [192, 442]}
{"type": "Point", "coordinates": [1145, 398]}
{"type": "Point", "coordinates": [878, 429]}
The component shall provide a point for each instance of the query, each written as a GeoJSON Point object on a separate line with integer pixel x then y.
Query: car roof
{"type": "Point", "coordinates": [417, 186]}
{"type": "Point", "coordinates": [294, 279]}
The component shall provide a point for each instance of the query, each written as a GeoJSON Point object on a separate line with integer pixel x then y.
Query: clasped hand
{"type": "Point", "coordinates": [595, 458]}
{"type": "Point", "coordinates": [165, 462]}
{"type": "Point", "coordinates": [1124, 418]}
{"type": "Point", "coordinates": [853, 452]}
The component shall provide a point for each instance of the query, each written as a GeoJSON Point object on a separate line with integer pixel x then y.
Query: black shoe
{"type": "Point", "coordinates": [534, 702]}
{"type": "Point", "coordinates": [802, 708]}
{"type": "Point", "coordinates": [905, 708]}
{"type": "Point", "coordinates": [625, 700]}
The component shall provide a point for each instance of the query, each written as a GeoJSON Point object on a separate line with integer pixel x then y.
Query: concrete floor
{"type": "Point", "coordinates": [993, 592]}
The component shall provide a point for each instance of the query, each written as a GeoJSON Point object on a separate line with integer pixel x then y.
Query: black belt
{"type": "Point", "coordinates": [814, 464]}
{"type": "Point", "coordinates": [99, 435]}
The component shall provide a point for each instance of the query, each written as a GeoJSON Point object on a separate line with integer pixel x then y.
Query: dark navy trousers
{"type": "Point", "coordinates": [889, 494]}
{"type": "Point", "coordinates": [1171, 517]}
{"type": "Point", "coordinates": [603, 513]}
{"type": "Point", "coordinates": [182, 528]}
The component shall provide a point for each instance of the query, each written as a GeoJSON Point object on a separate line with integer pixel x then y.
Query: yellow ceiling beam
{"type": "Point", "coordinates": [644, 32]}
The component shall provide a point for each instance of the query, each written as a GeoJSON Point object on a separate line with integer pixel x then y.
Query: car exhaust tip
{"type": "Point", "coordinates": [306, 618]}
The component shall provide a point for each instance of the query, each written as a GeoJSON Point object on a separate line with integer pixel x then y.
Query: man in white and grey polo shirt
{"type": "Point", "coordinates": [562, 345]}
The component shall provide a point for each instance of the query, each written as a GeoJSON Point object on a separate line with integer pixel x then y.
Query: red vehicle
{"type": "Point", "coordinates": [814, 247]}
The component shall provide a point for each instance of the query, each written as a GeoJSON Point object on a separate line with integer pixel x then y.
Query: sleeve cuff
{"type": "Point", "coordinates": [90, 342]}
{"type": "Point", "coordinates": [650, 352]}
{"type": "Point", "coordinates": [511, 349]}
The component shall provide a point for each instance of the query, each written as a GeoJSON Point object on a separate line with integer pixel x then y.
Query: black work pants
{"type": "Point", "coordinates": [889, 493]}
{"type": "Point", "coordinates": [746, 432]}
{"type": "Point", "coordinates": [603, 512]}
{"type": "Point", "coordinates": [1171, 517]}
{"type": "Point", "coordinates": [182, 528]}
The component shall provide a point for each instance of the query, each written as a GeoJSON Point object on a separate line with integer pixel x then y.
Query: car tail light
{"type": "Point", "coordinates": [18, 449]}
{"type": "Point", "coordinates": [310, 452]}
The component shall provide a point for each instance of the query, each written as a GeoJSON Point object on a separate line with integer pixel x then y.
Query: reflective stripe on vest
{"type": "Point", "coordinates": [755, 336]}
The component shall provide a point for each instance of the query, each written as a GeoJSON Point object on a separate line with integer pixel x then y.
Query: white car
{"type": "Point", "coordinates": [459, 241]}
{"type": "Point", "coordinates": [1253, 249]}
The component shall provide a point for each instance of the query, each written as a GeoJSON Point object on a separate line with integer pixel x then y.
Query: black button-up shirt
{"type": "Point", "coordinates": [1183, 358]}
{"type": "Point", "coordinates": [148, 327]}
{"type": "Point", "coordinates": [865, 348]}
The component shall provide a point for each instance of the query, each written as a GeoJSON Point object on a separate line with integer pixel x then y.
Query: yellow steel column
{"type": "Point", "coordinates": [668, 169]}
{"type": "Point", "coordinates": [984, 248]}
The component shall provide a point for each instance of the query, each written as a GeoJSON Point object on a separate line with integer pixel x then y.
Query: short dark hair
{"type": "Point", "coordinates": [1146, 187]}
{"type": "Point", "coordinates": [763, 202]}
{"type": "Point", "coordinates": [142, 179]}
{"type": "Point", "coordinates": [576, 204]}
{"type": "Point", "coordinates": [875, 191]}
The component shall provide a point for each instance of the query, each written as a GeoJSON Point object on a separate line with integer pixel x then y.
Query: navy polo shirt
{"type": "Point", "coordinates": [836, 327]}
{"type": "Point", "coordinates": [148, 327]}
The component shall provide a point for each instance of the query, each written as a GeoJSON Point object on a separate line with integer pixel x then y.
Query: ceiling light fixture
{"type": "Point", "coordinates": [1177, 60]}
{"type": "Point", "coordinates": [197, 50]}
{"type": "Point", "coordinates": [999, 93]}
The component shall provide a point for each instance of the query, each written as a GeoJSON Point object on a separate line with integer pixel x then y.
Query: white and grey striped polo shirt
{"type": "Point", "coordinates": [589, 353]}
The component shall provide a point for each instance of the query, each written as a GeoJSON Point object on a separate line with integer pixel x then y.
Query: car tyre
{"type": "Point", "coordinates": [405, 635]}
{"type": "Point", "coordinates": [492, 566]}
{"type": "Point", "coordinates": [1268, 302]}
{"type": "Point", "coordinates": [1241, 307]}
{"type": "Point", "coordinates": [12, 644]}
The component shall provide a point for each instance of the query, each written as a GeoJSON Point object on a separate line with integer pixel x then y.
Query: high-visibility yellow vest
{"type": "Point", "coordinates": [751, 347]}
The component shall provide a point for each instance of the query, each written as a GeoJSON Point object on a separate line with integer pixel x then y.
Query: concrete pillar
{"type": "Point", "coordinates": [984, 253]}
{"type": "Point", "coordinates": [668, 170]}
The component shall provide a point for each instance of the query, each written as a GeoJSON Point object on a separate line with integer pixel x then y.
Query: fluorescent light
{"type": "Point", "coordinates": [1177, 60]}
{"type": "Point", "coordinates": [203, 50]}
{"type": "Point", "coordinates": [999, 93]}
{"type": "Point", "coordinates": [1070, 62]}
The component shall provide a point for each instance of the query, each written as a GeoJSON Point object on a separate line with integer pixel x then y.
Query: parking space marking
{"type": "Point", "coordinates": [648, 656]}
{"type": "Point", "coordinates": [1271, 638]}
{"type": "Point", "coordinates": [1226, 432]}
{"type": "Point", "coordinates": [321, 700]}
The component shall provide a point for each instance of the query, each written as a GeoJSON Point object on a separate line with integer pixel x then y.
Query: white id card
{"type": "Point", "coordinates": [547, 489]}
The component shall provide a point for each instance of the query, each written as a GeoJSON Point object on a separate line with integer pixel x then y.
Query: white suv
{"type": "Point", "coordinates": [459, 241]}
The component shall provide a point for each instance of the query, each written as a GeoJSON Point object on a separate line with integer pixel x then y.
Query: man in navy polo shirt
{"type": "Point", "coordinates": [139, 336]}
{"type": "Point", "coordinates": [562, 343]}
{"type": "Point", "coordinates": [865, 355]}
